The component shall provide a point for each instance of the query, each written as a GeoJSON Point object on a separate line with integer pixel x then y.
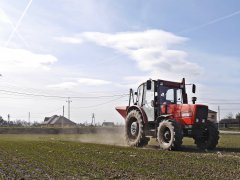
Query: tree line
{"type": "Point", "coordinates": [17, 123]}
{"type": "Point", "coordinates": [231, 116]}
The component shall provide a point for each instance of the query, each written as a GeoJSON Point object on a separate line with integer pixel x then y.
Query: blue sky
{"type": "Point", "coordinates": [94, 48]}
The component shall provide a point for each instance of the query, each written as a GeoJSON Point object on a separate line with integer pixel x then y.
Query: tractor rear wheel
{"type": "Point", "coordinates": [169, 135]}
{"type": "Point", "coordinates": [206, 137]}
{"type": "Point", "coordinates": [134, 129]}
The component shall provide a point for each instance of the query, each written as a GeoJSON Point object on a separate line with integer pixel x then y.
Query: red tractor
{"type": "Point", "coordinates": [161, 110]}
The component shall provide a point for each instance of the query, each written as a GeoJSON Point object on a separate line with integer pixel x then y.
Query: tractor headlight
{"type": "Point", "coordinates": [197, 120]}
{"type": "Point", "coordinates": [186, 114]}
{"type": "Point", "coordinates": [203, 120]}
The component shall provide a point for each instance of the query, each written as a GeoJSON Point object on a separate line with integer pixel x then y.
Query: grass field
{"type": "Point", "coordinates": [230, 129]}
{"type": "Point", "coordinates": [70, 157]}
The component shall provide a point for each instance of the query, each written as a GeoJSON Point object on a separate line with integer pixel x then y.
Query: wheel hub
{"type": "Point", "coordinates": [167, 135]}
{"type": "Point", "coordinates": [134, 128]}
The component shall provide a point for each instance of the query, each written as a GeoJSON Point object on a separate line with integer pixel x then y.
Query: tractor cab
{"type": "Point", "coordinates": [155, 96]}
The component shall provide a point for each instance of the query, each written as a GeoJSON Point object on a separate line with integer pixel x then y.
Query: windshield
{"type": "Point", "coordinates": [169, 95]}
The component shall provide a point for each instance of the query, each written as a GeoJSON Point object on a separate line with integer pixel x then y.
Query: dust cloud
{"type": "Point", "coordinates": [108, 136]}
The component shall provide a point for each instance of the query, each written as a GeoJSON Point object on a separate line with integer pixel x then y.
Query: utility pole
{"type": "Point", "coordinates": [29, 118]}
{"type": "Point", "coordinates": [93, 119]}
{"type": "Point", "coordinates": [69, 101]}
{"type": "Point", "coordinates": [62, 117]}
{"type": "Point", "coordinates": [8, 119]}
{"type": "Point", "coordinates": [218, 116]}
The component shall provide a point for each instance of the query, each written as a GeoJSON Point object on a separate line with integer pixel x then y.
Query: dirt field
{"type": "Point", "coordinates": [73, 157]}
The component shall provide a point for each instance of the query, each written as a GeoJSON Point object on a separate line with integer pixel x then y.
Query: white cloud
{"type": "Point", "coordinates": [78, 82]}
{"type": "Point", "coordinates": [22, 60]}
{"type": "Point", "coordinates": [92, 82]}
{"type": "Point", "coordinates": [128, 41]}
{"type": "Point", "coordinates": [154, 51]}
{"type": "Point", "coordinates": [64, 85]}
{"type": "Point", "coordinates": [69, 40]}
{"type": "Point", "coordinates": [151, 49]}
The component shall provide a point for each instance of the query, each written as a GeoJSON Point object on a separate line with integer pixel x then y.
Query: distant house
{"type": "Point", "coordinates": [47, 118]}
{"type": "Point", "coordinates": [108, 124]}
{"type": "Point", "coordinates": [212, 116]}
{"type": "Point", "coordinates": [58, 121]}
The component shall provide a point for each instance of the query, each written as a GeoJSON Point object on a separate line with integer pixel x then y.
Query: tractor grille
{"type": "Point", "coordinates": [202, 113]}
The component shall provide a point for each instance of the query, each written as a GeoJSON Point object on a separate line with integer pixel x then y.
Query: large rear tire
{"type": "Point", "coordinates": [206, 136]}
{"type": "Point", "coordinates": [134, 130]}
{"type": "Point", "coordinates": [169, 135]}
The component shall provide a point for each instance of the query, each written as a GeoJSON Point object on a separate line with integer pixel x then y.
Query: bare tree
{"type": "Point", "coordinates": [238, 117]}
{"type": "Point", "coordinates": [229, 116]}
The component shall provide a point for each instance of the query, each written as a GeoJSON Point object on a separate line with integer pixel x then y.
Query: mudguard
{"type": "Point", "coordinates": [124, 110]}
{"type": "Point", "coordinates": [145, 119]}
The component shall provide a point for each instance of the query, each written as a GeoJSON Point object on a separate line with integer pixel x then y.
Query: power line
{"type": "Point", "coordinates": [8, 92]}
{"type": "Point", "coordinates": [85, 97]}
{"type": "Point", "coordinates": [13, 87]}
{"type": "Point", "coordinates": [101, 103]}
{"type": "Point", "coordinates": [48, 111]}
{"type": "Point", "coordinates": [41, 91]}
{"type": "Point", "coordinates": [220, 100]}
{"type": "Point", "coordinates": [219, 103]}
{"type": "Point", "coordinates": [230, 109]}
{"type": "Point", "coordinates": [37, 115]}
{"type": "Point", "coordinates": [30, 94]}
{"type": "Point", "coordinates": [65, 97]}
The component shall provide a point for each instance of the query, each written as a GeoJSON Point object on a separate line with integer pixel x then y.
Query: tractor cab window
{"type": "Point", "coordinates": [163, 94]}
{"type": "Point", "coordinates": [170, 95]}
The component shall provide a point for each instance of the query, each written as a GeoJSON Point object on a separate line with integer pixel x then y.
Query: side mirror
{"type": "Point", "coordinates": [194, 99]}
{"type": "Point", "coordinates": [149, 84]}
{"type": "Point", "coordinates": [193, 88]}
{"type": "Point", "coordinates": [135, 93]}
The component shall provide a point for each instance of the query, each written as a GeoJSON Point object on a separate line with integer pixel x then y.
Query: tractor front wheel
{"type": "Point", "coordinates": [169, 135]}
{"type": "Point", "coordinates": [206, 136]}
{"type": "Point", "coordinates": [134, 130]}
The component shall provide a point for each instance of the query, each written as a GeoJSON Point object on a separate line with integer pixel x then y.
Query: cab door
{"type": "Point", "coordinates": [148, 97]}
